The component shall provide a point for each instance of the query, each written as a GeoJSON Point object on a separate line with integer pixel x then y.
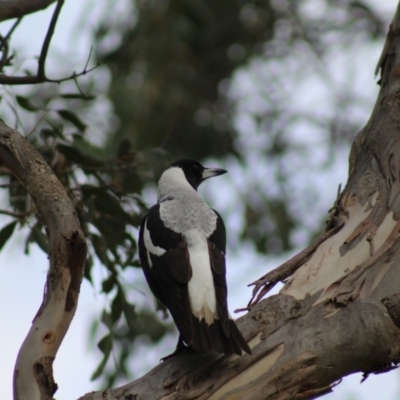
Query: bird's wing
{"type": "Point", "coordinates": [234, 342]}
{"type": "Point", "coordinates": [166, 265]}
{"type": "Point", "coordinates": [216, 248]}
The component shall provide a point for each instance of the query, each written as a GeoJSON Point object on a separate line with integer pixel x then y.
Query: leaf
{"type": "Point", "coordinates": [6, 233]}
{"type": "Point", "coordinates": [73, 154]}
{"type": "Point", "coordinates": [107, 203]}
{"type": "Point", "coordinates": [130, 315]}
{"type": "Point", "coordinates": [117, 305]}
{"type": "Point", "coordinates": [88, 269]}
{"type": "Point", "coordinates": [50, 133]}
{"type": "Point", "coordinates": [100, 248]}
{"type": "Point", "coordinates": [18, 195]}
{"type": "Point", "coordinates": [77, 96]}
{"type": "Point", "coordinates": [73, 118]}
{"type": "Point", "coordinates": [98, 155]}
{"type": "Point", "coordinates": [25, 103]}
{"type": "Point", "coordinates": [105, 346]}
{"type": "Point", "coordinates": [38, 237]}
{"type": "Point", "coordinates": [106, 320]}
{"type": "Point", "coordinates": [108, 284]}
{"type": "Point", "coordinates": [130, 250]}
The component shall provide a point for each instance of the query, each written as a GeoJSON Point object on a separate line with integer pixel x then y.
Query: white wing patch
{"type": "Point", "coordinates": [201, 284]}
{"type": "Point", "coordinates": [150, 247]}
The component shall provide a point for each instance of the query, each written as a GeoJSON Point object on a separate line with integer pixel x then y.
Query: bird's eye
{"type": "Point", "coordinates": [195, 167]}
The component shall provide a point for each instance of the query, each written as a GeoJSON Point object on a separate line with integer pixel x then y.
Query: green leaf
{"type": "Point", "coordinates": [100, 248]}
{"type": "Point", "coordinates": [130, 251]}
{"type": "Point", "coordinates": [108, 284]}
{"type": "Point", "coordinates": [130, 315]}
{"type": "Point", "coordinates": [98, 155]}
{"type": "Point", "coordinates": [105, 346]}
{"type": "Point", "coordinates": [18, 195]}
{"type": "Point", "coordinates": [107, 203]}
{"type": "Point", "coordinates": [25, 103]}
{"type": "Point", "coordinates": [6, 233]}
{"type": "Point", "coordinates": [117, 305]}
{"type": "Point", "coordinates": [88, 269]}
{"type": "Point", "coordinates": [106, 320]}
{"type": "Point", "coordinates": [73, 118]}
{"type": "Point", "coordinates": [37, 236]}
{"type": "Point", "coordinates": [77, 96]}
{"type": "Point", "coordinates": [73, 154]}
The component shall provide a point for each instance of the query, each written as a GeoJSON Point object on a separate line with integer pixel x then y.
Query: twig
{"type": "Point", "coordinates": [88, 59]}
{"type": "Point", "coordinates": [15, 215]}
{"type": "Point", "coordinates": [28, 80]}
{"type": "Point", "coordinates": [4, 54]}
{"type": "Point", "coordinates": [5, 60]}
{"type": "Point", "coordinates": [37, 123]}
{"type": "Point", "coordinates": [41, 72]}
{"type": "Point", "coordinates": [11, 31]}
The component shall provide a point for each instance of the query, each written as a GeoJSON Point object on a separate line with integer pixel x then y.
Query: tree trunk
{"type": "Point", "coordinates": [339, 311]}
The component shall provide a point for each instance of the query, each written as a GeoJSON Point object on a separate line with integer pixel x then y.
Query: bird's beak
{"type": "Point", "coordinates": [210, 172]}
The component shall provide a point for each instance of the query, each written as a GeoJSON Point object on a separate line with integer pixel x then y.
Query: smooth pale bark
{"type": "Point", "coordinates": [339, 311]}
{"type": "Point", "coordinates": [33, 375]}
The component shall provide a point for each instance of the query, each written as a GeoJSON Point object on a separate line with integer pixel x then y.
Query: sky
{"type": "Point", "coordinates": [23, 277]}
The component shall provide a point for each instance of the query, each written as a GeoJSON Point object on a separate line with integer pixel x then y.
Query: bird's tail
{"type": "Point", "coordinates": [221, 337]}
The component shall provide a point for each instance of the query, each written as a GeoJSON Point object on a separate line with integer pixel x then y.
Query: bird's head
{"type": "Point", "coordinates": [195, 173]}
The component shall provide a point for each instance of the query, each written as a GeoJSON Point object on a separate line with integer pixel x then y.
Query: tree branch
{"type": "Point", "coordinates": [41, 72]}
{"type": "Point", "coordinates": [19, 8]}
{"type": "Point", "coordinates": [40, 76]}
{"type": "Point", "coordinates": [33, 376]}
{"type": "Point", "coordinates": [286, 363]}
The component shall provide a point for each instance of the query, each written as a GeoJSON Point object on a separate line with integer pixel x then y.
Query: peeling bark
{"type": "Point", "coordinates": [338, 313]}
{"type": "Point", "coordinates": [33, 374]}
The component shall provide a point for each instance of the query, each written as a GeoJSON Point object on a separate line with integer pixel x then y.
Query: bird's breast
{"type": "Point", "coordinates": [184, 215]}
{"type": "Point", "coordinates": [201, 285]}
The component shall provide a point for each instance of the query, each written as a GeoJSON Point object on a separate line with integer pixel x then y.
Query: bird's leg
{"type": "Point", "coordinates": [181, 347]}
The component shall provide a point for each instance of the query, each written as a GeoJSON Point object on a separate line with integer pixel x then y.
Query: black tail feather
{"type": "Point", "coordinates": [213, 337]}
{"type": "Point", "coordinates": [238, 339]}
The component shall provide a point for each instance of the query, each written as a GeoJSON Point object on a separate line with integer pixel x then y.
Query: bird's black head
{"type": "Point", "coordinates": [195, 173]}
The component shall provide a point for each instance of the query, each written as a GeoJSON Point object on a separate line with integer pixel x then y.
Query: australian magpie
{"type": "Point", "coordinates": [182, 251]}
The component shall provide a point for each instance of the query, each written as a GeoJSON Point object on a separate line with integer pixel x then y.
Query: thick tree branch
{"type": "Point", "coordinates": [33, 376]}
{"type": "Point", "coordinates": [288, 361]}
{"type": "Point", "coordinates": [19, 8]}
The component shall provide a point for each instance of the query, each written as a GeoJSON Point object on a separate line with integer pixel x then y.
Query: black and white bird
{"type": "Point", "coordinates": [182, 251]}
